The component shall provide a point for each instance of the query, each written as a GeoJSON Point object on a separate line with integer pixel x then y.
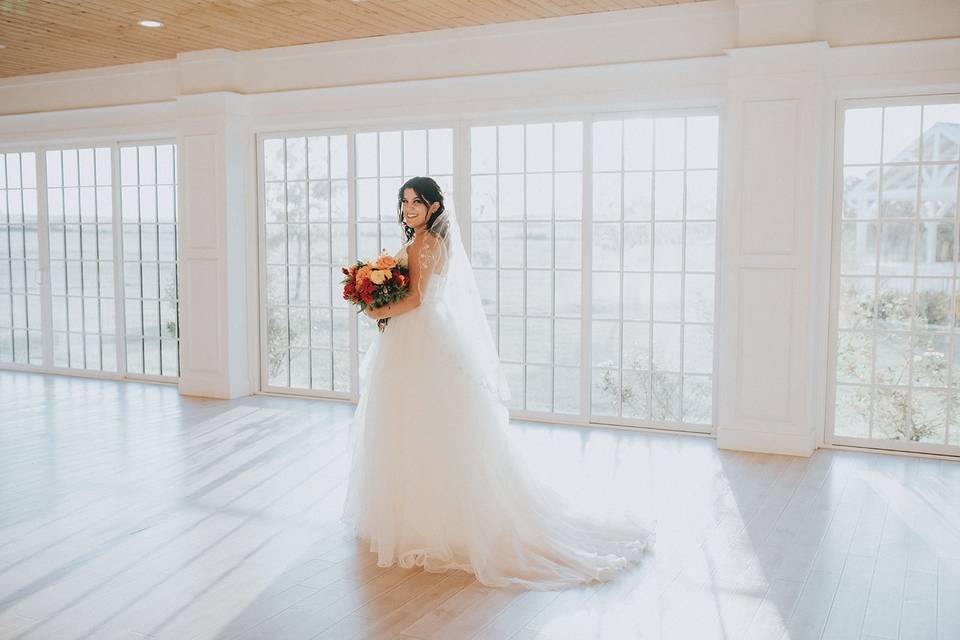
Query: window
{"type": "Point", "coordinates": [593, 242]}
{"type": "Point", "coordinates": [306, 323]}
{"type": "Point", "coordinates": [98, 281]}
{"type": "Point", "coordinates": [149, 213]}
{"type": "Point", "coordinates": [526, 218]}
{"type": "Point", "coordinates": [80, 214]}
{"type": "Point", "coordinates": [20, 312]}
{"type": "Point", "coordinates": [897, 351]}
{"type": "Point", "coordinates": [654, 264]}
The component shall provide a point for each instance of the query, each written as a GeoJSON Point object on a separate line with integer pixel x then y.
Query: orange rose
{"type": "Point", "coordinates": [363, 273]}
{"type": "Point", "coordinates": [385, 262]}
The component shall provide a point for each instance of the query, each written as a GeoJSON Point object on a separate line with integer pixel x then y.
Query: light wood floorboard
{"type": "Point", "coordinates": [128, 511]}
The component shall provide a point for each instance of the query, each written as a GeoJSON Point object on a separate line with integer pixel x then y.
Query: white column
{"type": "Point", "coordinates": [766, 331]}
{"type": "Point", "coordinates": [215, 152]}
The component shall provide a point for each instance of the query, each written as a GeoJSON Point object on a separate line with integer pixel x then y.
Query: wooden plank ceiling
{"type": "Point", "coordinates": [40, 36]}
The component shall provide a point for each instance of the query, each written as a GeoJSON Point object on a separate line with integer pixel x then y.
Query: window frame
{"type": "Point", "coordinates": [114, 143]}
{"type": "Point", "coordinates": [682, 323]}
{"type": "Point", "coordinates": [830, 437]}
{"type": "Point", "coordinates": [119, 275]}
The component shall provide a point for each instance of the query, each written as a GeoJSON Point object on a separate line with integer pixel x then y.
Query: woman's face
{"type": "Point", "coordinates": [415, 210]}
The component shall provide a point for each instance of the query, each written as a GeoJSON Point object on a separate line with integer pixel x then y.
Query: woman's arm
{"type": "Point", "coordinates": [409, 302]}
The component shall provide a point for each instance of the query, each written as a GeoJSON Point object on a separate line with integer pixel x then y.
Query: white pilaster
{"type": "Point", "coordinates": [765, 334]}
{"type": "Point", "coordinates": [215, 151]}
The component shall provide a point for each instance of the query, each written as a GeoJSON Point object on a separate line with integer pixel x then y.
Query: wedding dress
{"type": "Point", "coordinates": [433, 480]}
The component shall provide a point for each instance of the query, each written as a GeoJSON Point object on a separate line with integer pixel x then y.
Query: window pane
{"type": "Point", "coordinates": [20, 321]}
{"type": "Point", "coordinates": [81, 255]}
{"type": "Point", "coordinates": [151, 291]}
{"type": "Point", "coordinates": [896, 289]}
{"type": "Point", "coordinates": [524, 179]}
{"type": "Point", "coordinates": [667, 186]}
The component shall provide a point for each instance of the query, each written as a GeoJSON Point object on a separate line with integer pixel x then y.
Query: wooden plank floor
{"type": "Point", "coordinates": [128, 511]}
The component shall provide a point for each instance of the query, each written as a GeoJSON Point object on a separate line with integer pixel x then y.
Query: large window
{"type": "Point", "coordinates": [20, 309]}
{"type": "Point", "coordinates": [148, 183]}
{"type": "Point", "coordinates": [654, 263]}
{"type": "Point", "coordinates": [593, 242]}
{"type": "Point", "coordinates": [897, 354]}
{"type": "Point", "coordinates": [68, 279]}
{"type": "Point", "coordinates": [80, 214]}
{"type": "Point", "coordinates": [306, 325]}
{"type": "Point", "coordinates": [526, 219]}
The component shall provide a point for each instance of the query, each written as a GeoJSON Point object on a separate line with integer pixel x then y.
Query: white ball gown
{"type": "Point", "coordinates": [434, 481]}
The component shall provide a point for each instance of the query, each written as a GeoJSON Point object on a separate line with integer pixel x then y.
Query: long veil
{"type": "Point", "coordinates": [456, 289]}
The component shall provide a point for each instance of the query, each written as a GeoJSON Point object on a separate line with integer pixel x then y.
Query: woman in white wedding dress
{"type": "Point", "coordinates": [433, 480]}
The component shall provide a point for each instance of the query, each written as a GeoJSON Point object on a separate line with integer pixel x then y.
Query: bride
{"type": "Point", "coordinates": [433, 481]}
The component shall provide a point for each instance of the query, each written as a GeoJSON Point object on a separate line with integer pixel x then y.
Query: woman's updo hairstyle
{"type": "Point", "coordinates": [427, 190]}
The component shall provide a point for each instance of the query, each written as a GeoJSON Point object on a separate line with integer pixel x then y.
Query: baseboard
{"type": "Point", "coordinates": [763, 442]}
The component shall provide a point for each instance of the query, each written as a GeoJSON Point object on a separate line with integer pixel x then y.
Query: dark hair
{"type": "Point", "coordinates": [427, 190]}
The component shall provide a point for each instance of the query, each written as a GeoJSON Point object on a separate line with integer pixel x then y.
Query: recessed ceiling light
{"type": "Point", "coordinates": [152, 24]}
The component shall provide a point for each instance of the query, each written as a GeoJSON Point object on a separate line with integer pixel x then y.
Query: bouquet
{"type": "Point", "coordinates": [375, 283]}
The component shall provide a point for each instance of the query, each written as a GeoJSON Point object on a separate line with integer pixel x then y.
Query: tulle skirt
{"type": "Point", "coordinates": [435, 483]}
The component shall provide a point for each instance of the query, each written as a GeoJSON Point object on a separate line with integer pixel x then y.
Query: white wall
{"type": "Point", "coordinates": [774, 68]}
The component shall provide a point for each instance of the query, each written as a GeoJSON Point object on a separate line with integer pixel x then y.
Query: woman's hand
{"type": "Point", "coordinates": [372, 313]}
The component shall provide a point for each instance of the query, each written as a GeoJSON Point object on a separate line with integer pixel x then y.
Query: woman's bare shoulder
{"type": "Point", "coordinates": [426, 253]}
{"type": "Point", "coordinates": [427, 245]}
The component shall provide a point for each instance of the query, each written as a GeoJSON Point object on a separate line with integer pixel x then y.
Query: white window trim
{"type": "Point", "coordinates": [830, 439]}
{"type": "Point", "coordinates": [43, 259]}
